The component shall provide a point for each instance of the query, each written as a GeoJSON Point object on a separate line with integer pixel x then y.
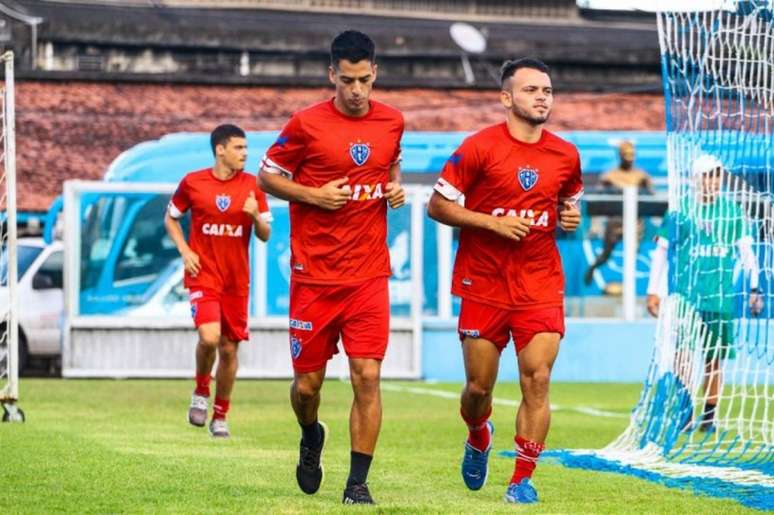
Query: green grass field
{"type": "Point", "coordinates": [125, 446]}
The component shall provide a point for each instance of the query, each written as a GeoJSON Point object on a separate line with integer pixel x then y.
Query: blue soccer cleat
{"type": "Point", "coordinates": [521, 493]}
{"type": "Point", "coordinates": [474, 463]}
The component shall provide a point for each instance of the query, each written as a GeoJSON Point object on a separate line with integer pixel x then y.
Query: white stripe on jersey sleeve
{"type": "Point", "coordinates": [174, 212]}
{"type": "Point", "coordinates": [748, 258]}
{"type": "Point", "coordinates": [446, 189]}
{"type": "Point", "coordinates": [574, 199]}
{"type": "Point", "coordinates": [269, 166]}
{"type": "Point", "coordinates": [659, 269]}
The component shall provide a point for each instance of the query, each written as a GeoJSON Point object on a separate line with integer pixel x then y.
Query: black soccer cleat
{"type": "Point", "coordinates": [707, 426]}
{"type": "Point", "coordinates": [309, 471]}
{"type": "Point", "coordinates": [357, 494]}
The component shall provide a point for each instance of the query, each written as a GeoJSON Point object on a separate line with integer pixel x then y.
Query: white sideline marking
{"type": "Point", "coordinates": [586, 410]}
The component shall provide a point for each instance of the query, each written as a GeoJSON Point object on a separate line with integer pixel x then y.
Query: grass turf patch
{"type": "Point", "coordinates": [125, 446]}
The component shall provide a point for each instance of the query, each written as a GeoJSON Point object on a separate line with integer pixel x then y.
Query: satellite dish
{"type": "Point", "coordinates": [468, 38]}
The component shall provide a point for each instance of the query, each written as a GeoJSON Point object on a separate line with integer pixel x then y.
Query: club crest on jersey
{"type": "Point", "coordinates": [359, 152]}
{"type": "Point", "coordinates": [295, 347]}
{"type": "Point", "coordinates": [528, 177]}
{"type": "Point", "coordinates": [222, 201]}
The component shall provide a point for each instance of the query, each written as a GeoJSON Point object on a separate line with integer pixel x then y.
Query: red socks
{"type": "Point", "coordinates": [203, 385]}
{"type": "Point", "coordinates": [527, 454]}
{"type": "Point", "coordinates": [478, 430]}
{"type": "Point", "coordinates": [220, 408]}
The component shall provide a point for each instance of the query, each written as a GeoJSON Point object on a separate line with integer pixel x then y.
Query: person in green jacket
{"type": "Point", "coordinates": [697, 248]}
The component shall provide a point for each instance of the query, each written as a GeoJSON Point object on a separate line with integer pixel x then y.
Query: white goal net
{"type": "Point", "coordinates": [705, 418]}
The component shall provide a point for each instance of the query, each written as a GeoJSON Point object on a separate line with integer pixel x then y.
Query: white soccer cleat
{"type": "Point", "coordinates": [197, 412]}
{"type": "Point", "coordinates": [219, 428]}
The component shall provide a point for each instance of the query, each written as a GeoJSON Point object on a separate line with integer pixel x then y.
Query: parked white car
{"type": "Point", "coordinates": [41, 298]}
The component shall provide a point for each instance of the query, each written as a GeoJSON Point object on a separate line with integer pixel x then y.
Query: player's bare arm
{"type": "Point", "coordinates": [569, 217]}
{"type": "Point", "coordinates": [261, 227]}
{"type": "Point", "coordinates": [331, 196]}
{"type": "Point", "coordinates": [393, 191]}
{"type": "Point", "coordinates": [190, 258]}
{"type": "Point", "coordinates": [451, 213]}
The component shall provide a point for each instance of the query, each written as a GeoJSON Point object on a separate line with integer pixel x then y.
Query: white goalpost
{"type": "Point", "coordinates": [9, 329]}
{"type": "Point", "coordinates": [705, 418]}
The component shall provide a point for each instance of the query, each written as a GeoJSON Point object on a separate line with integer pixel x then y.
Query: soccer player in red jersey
{"type": "Point", "coordinates": [518, 180]}
{"type": "Point", "coordinates": [226, 208]}
{"type": "Point", "coordinates": [337, 162]}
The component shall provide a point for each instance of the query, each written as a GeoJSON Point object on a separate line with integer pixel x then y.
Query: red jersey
{"type": "Point", "coordinates": [501, 176]}
{"type": "Point", "coordinates": [220, 230]}
{"type": "Point", "coordinates": [320, 144]}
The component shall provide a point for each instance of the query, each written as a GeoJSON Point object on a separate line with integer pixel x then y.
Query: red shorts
{"type": "Point", "coordinates": [230, 310]}
{"type": "Point", "coordinates": [479, 320]}
{"type": "Point", "coordinates": [319, 315]}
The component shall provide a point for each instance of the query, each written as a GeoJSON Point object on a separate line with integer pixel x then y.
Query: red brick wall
{"type": "Point", "coordinates": [74, 130]}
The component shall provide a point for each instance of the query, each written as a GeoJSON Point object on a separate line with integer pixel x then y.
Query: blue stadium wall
{"type": "Point", "coordinates": [594, 350]}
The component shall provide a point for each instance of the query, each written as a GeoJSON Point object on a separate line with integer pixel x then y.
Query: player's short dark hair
{"type": "Point", "coordinates": [223, 133]}
{"type": "Point", "coordinates": [509, 68]}
{"type": "Point", "coordinates": [352, 45]}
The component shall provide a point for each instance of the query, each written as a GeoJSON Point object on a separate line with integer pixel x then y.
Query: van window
{"type": "Point", "coordinates": [52, 267]}
{"type": "Point", "coordinates": [103, 217]}
{"type": "Point", "coordinates": [147, 249]}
